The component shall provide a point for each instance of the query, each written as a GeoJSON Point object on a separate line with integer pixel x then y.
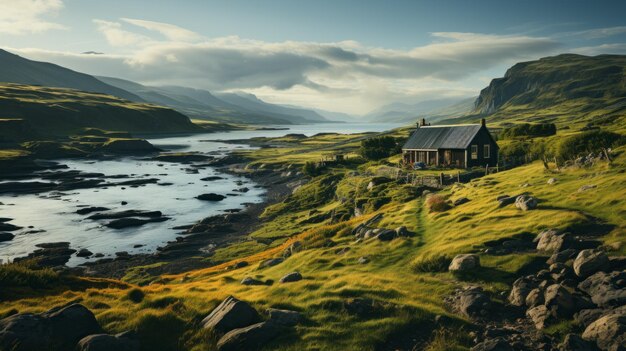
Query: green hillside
{"type": "Point", "coordinates": [57, 111]}
{"type": "Point", "coordinates": [573, 91]}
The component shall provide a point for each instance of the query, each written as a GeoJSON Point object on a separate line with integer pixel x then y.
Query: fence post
{"type": "Point", "coordinates": [487, 170]}
{"type": "Point", "coordinates": [458, 176]}
{"type": "Point", "coordinates": [441, 178]}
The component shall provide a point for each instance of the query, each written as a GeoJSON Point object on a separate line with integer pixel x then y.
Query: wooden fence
{"type": "Point", "coordinates": [433, 181]}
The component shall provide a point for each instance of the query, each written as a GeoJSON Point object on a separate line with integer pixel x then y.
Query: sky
{"type": "Point", "coordinates": [350, 56]}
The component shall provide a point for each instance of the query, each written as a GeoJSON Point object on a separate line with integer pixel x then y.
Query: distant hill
{"type": "Point", "coordinates": [432, 110]}
{"type": "Point", "coordinates": [16, 69]}
{"type": "Point", "coordinates": [232, 107]}
{"type": "Point", "coordinates": [59, 111]}
{"type": "Point", "coordinates": [565, 89]}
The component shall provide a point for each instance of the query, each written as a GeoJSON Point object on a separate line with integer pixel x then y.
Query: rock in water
{"type": "Point", "coordinates": [6, 237]}
{"type": "Point", "coordinates": [589, 262]}
{"type": "Point", "coordinates": [291, 277]}
{"type": "Point", "coordinates": [211, 197]}
{"type": "Point", "coordinates": [249, 338]}
{"type": "Point", "coordinates": [465, 262]}
{"type": "Point", "coordinates": [230, 314]}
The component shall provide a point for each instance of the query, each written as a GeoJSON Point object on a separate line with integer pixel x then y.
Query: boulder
{"type": "Point", "coordinates": [504, 200]}
{"type": "Point", "coordinates": [573, 342]}
{"type": "Point", "coordinates": [106, 342]}
{"type": "Point", "coordinates": [588, 316]}
{"type": "Point", "coordinates": [8, 227]}
{"type": "Point", "coordinates": [84, 253]}
{"type": "Point", "coordinates": [535, 298]}
{"type": "Point", "coordinates": [211, 197]}
{"type": "Point", "coordinates": [291, 277]}
{"type": "Point", "coordinates": [463, 263]}
{"type": "Point", "coordinates": [473, 302]}
{"type": "Point", "coordinates": [24, 332]}
{"type": "Point", "coordinates": [562, 256]}
{"type": "Point", "coordinates": [526, 202]}
{"type": "Point", "coordinates": [271, 262]}
{"type": "Point", "coordinates": [87, 210]}
{"type": "Point", "coordinates": [521, 288]}
{"type": "Point", "coordinates": [133, 222]}
{"type": "Point", "coordinates": [589, 262]}
{"type": "Point", "coordinates": [284, 317]}
{"type": "Point", "coordinates": [253, 337]}
{"type": "Point", "coordinates": [386, 235]}
{"type": "Point", "coordinates": [6, 237]}
{"type": "Point", "coordinates": [251, 281]}
{"type": "Point", "coordinates": [559, 301]}
{"type": "Point", "coordinates": [552, 240]}
{"type": "Point", "coordinates": [607, 331]}
{"type": "Point", "coordinates": [540, 316]}
{"type": "Point", "coordinates": [230, 314]}
{"type": "Point", "coordinates": [495, 344]}
{"type": "Point", "coordinates": [606, 289]}
{"type": "Point", "coordinates": [402, 232]}
{"type": "Point", "coordinates": [460, 201]}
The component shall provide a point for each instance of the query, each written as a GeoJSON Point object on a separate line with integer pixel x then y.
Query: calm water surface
{"type": "Point", "coordinates": [55, 213]}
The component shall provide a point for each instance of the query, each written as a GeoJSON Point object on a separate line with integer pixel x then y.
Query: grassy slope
{"type": "Point", "coordinates": [171, 310]}
{"type": "Point", "coordinates": [58, 111]}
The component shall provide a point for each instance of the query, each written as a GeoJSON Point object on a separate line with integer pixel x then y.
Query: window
{"type": "Point", "coordinates": [474, 152]}
{"type": "Point", "coordinates": [487, 150]}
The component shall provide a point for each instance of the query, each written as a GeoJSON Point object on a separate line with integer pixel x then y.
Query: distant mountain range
{"type": "Point", "coordinates": [195, 103]}
{"type": "Point", "coordinates": [432, 110]}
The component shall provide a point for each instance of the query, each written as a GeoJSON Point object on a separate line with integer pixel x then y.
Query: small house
{"type": "Point", "coordinates": [459, 146]}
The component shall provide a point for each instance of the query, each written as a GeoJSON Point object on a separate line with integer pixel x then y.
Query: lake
{"type": "Point", "coordinates": [54, 214]}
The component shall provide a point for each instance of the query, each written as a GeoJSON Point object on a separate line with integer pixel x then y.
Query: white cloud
{"type": "Point", "coordinates": [170, 31]}
{"type": "Point", "coordinates": [597, 33]}
{"type": "Point", "coordinates": [116, 36]}
{"type": "Point", "coordinates": [18, 17]}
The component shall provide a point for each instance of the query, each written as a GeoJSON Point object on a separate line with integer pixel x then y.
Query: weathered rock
{"type": "Point", "coordinates": [606, 289]}
{"type": "Point", "coordinates": [540, 316]}
{"type": "Point", "coordinates": [253, 337]}
{"type": "Point", "coordinates": [126, 214]}
{"type": "Point", "coordinates": [473, 302]}
{"type": "Point", "coordinates": [291, 277]}
{"type": "Point", "coordinates": [521, 288]}
{"type": "Point", "coordinates": [573, 342]}
{"type": "Point", "coordinates": [24, 332]}
{"type": "Point", "coordinates": [284, 317]}
{"type": "Point", "coordinates": [84, 253]}
{"type": "Point", "coordinates": [504, 200]}
{"type": "Point", "coordinates": [552, 240]}
{"type": "Point", "coordinates": [534, 298]}
{"type": "Point", "coordinates": [495, 344]}
{"type": "Point", "coordinates": [560, 301]}
{"type": "Point", "coordinates": [50, 254]}
{"type": "Point", "coordinates": [386, 235]}
{"type": "Point", "coordinates": [230, 314]}
{"type": "Point", "coordinates": [588, 316]}
{"type": "Point", "coordinates": [464, 262]}
{"type": "Point", "coordinates": [589, 262]}
{"type": "Point", "coordinates": [87, 210]}
{"type": "Point", "coordinates": [8, 227]}
{"type": "Point", "coordinates": [586, 187]}
{"type": "Point", "coordinates": [460, 201]}
{"type": "Point", "coordinates": [271, 262]}
{"type": "Point", "coordinates": [562, 256]}
{"type": "Point", "coordinates": [251, 281]}
{"type": "Point", "coordinates": [552, 181]}
{"type": "Point", "coordinates": [402, 232]}
{"type": "Point", "coordinates": [607, 331]}
{"type": "Point", "coordinates": [526, 202]}
{"type": "Point", "coordinates": [133, 222]}
{"type": "Point", "coordinates": [6, 237]}
{"type": "Point", "coordinates": [211, 197]}
{"type": "Point", "coordinates": [106, 342]}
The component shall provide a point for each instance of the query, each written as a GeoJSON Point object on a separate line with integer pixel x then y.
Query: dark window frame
{"type": "Point", "coordinates": [487, 151]}
{"type": "Point", "coordinates": [474, 152]}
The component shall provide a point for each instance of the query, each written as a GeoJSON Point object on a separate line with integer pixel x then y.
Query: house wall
{"type": "Point", "coordinates": [481, 139]}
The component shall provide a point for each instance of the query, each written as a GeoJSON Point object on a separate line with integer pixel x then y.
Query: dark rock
{"type": "Point", "coordinates": [129, 146]}
{"type": "Point", "coordinates": [560, 301]}
{"type": "Point", "coordinates": [540, 316]}
{"type": "Point", "coordinates": [521, 288]}
{"type": "Point", "coordinates": [126, 214]}
{"type": "Point", "coordinates": [588, 316]}
{"type": "Point", "coordinates": [70, 324]}
{"type": "Point", "coordinates": [211, 197]}
{"type": "Point", "coordinates": [210, 179]}
{"type": "Point", "coordinates": [505, 201]}
{"type": "Point", "coordinates": [24, 332]}
{"type": "Point", "coordinates": [562, 256]}
{"type": "Point", "coordinates": [230, 314]}
{"type": "Point", "coordinates": [589, 262]}
{"type": "Point", "coordinates": [496, 344]}
{"type": "Point", "coordinates": [240, 264]}
{"type": "Point", "coordinates": [84, 253]}
{"type": "Point", "coordinates": [50, 254]}
{"type": "Point", "coordinates": [291, 277]}
{"type": "Point", "coordinates": [106, 342]}
{"type": "Point", "coordinates": [402, 232]}
{"type": "Point", "coordinates": [460, 201]}
{"type": "Point", "coordinates": [133, 222]}
{"type": "Point", "coordinates": [386, 235]}
{"type": "Point", "coordinates": [284, 317]}
{"type": "Point", "coordinates": [464, 263]}
{"type": "Point", "coordinates": [87, 210]}
{"type": "Point", "coordinates": [271, 262]}
{"type": "Point", "coordinates": [253, 337]}
{"type": "Point", "coordinates": [573, 342]}
{"type": "Point", "coordinates": [606, 289]}
{"type": "Point", "coordinates": [6, 237]}
{"type": "Point", "coordinates": [251, 281]}
{"type": "Point", "coordinates": [473, 302]}
{"type": "Point", "coordinates": [361, 307]}
{"type": "Point", "coordinates": [8, 227]}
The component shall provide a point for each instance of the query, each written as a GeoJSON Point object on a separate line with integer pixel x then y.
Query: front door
{"type": "Point", "coordinates": [447, 157]}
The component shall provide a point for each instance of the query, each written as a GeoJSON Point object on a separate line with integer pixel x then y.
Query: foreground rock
{"type": "Point", "coordinates": [472, 302]}
{"type": "Point", "coordinates": [230, 314]}
{"type": "Point", "coordinates": [249, 338]}
{"type": "Point", "coordinates": [589, 262]}
{"type": "Point", "coordinates": [608, 332]}
{"type": "Point", "coordinates": [291, 277]}
{"type": "Point", "coordinates": [59, 329]}
{"type": "Point", "coordinates": [106, 342]}
{"type": "Point", "coordinates": [464, 263]}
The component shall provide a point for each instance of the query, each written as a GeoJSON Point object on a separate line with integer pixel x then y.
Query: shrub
{"type": "Point", "coordinates": [436, 263]}
{"type": "Point", "coordinates": [587, 142]}
{"type": "Point", "coordinates": [26, 274]}
{"type": "Point", "coordinates": [529, 130]}
{"type": "Point", "coordinates": [437, 203]}
{"type": "Point", "coordinates": [379, 147]}
{"type": "Point", "coordinates": [312, 169]}
{"type": "Point", "coordinates": [135, 295]}
{"type": "Point", "coordinates": [159, 330]}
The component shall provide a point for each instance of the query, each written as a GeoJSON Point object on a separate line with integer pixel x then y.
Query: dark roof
{"type": "Point", "coordinates": [442, 137]}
